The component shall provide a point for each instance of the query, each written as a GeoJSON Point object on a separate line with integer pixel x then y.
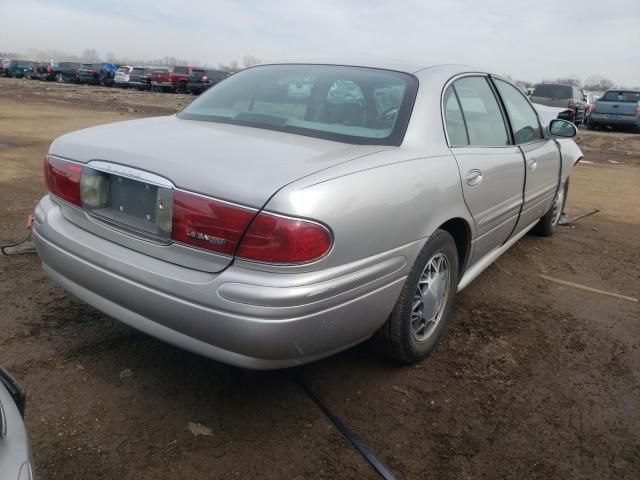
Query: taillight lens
{"type": "Point", "coordinates": [638, 110]}
{"type": "Point", "coordinates": [205, 78]}
{"type": "Point", "coordinates": [571, 104]}
{"type": "Point", "coordinates": [63, 179]}
{"type": "Point", "coordinates": [208, 223]}
{"type": "Point", "coordinates": [278, 239]}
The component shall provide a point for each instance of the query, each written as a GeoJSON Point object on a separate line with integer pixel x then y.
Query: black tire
{"type": "Point", "coordinates": [181, 88]}
{"type": "Point", "coordinates": [549, 222]}
{"type": "Point", "coordinates": [396, 338]}
{"type": "Point", "coordinates": [590, 126]}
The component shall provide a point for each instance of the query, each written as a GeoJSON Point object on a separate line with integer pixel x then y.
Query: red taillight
{"type": "Point", "coordinates": [277, 239]}
{"type": "Point", "coordinates": [208, 223]}
{"type": "Point", "coordinates": [48, 68]}
{"type": "Point", "coordinates": [638, 110]}
{"type": "Point", "coordinates": [63, 179]}
{"type": "Point", "coordinates": [571, 104]}
{"type": "Point", "coordinates": [205, 78]}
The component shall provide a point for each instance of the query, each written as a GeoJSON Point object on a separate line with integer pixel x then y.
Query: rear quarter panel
{"type": "Point", "coordinates": [394, 200]}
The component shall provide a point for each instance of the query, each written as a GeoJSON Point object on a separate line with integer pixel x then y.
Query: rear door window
{"type": "Point", "coordinates": [482, 114]}
{"type": "Point", "coordinates": [621, 96]}
{"type": "Point", "coordinates": [454, 121]}
{"type": "Point", "coordinates": [549, 90]}
{"type": "Point", "coordinates": [524, 120]}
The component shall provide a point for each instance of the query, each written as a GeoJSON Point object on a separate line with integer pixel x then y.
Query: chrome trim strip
{"type": "Point", "coordinates": [3, 421]}
{"type": "Point", "coordinates": [130, 172]}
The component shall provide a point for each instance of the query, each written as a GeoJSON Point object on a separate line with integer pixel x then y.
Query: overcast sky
{"type": "Point", "coordinates": [530, 40]}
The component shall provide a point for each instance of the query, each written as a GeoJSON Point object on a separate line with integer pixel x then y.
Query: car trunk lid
{"type": "Point", "coordinates": [242, 165]}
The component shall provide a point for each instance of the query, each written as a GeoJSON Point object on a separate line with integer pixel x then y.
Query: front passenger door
{"type": "Point", "coordinates": [542, 156]}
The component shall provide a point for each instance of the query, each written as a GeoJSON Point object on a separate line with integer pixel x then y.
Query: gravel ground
{"type": "Point", "coordinates": [532, 380]}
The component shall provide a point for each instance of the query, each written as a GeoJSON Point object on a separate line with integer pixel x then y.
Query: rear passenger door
{"type": "Point", "coordinates": [491, 167]}
{"type": "Point", "coordinates": [541, 154]}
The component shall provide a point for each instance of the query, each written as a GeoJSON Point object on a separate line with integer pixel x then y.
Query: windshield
{"type": "Point", "coordinates": [549, 90]}
{"type": "Point", "coordinates": [621, 96]}
{"type": "Point", "coordinates": [347, 104]}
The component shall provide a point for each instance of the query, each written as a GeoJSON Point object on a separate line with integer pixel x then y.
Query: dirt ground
{"type": "Point", "coordinates": [533, 380]}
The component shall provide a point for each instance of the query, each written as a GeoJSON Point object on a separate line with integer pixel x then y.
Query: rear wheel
{"type": "Point", "coordinates": [181, 88]}
{"type": "Point", "coordinates": [422, 311]}
{"type": "Point", "coordinates": [549, 222]}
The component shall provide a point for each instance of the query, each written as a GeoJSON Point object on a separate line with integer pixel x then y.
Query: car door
{"type": "Point", "coordinates": [541, 154]}
{"type": "Point", "coordinates": [491, 167]}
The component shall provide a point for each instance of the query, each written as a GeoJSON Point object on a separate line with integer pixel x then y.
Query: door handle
{"type": "Point", "coordinates": [532, 163]}
{"type": "Point", "coordinates": [474, 177]}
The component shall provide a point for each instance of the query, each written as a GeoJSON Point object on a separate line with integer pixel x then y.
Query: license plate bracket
{"type": "Point", "coordinates": [137, 206]}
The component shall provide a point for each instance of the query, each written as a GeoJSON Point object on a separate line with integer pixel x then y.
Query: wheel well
{"type": "Point", "coordinates": [459, 229]}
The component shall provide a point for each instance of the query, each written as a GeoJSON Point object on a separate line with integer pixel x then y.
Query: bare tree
{"type": "Point", "coordinates": [250, 61]}
{"type": "Point", "coordinates": [571, 80]}
{"type": "Point", "coordinates": [598, 83]}
{"type": "Point", "coordinates": [232, 67]}
{"type": "Point", "coordinates": [90, 55]}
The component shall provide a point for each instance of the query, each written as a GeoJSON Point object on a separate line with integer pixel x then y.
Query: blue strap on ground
{"type": "Point", "coordinates": [364, 450]}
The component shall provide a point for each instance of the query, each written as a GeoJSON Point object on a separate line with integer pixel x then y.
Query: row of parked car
{"type": "Point", "coordinates": [179, 79]}
{"type": "Point", "coordinates": [615, 108]}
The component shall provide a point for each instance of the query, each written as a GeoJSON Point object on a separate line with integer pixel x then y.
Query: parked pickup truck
{"type": "Point", "coordinates": [616, 108]}
{"type": "Point", "coordinates": [174, 81]}
{"type": "Point", "coordinates": [140, 77]}
{"type": "Point", "coordinates": [201, 79]}
{"type": "Point", "coordinates": [97, 74]}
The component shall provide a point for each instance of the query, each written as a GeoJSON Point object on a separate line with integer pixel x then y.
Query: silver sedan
{"type": "Point", "coordinates": [295, 210]}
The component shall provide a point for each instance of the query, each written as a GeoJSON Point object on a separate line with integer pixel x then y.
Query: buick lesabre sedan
{"type": "Point", "coordinates": [265, 229]}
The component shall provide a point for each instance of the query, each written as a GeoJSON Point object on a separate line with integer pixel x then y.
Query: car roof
{"type": "Point", "coordinates": [395, 65]}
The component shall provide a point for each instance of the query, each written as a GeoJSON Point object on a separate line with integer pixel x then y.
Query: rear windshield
{"type": "Point", "coordinates": [347, 104]}
{"type": "Point", "coordinates": [138, 70]}
{"type": "Point", "coordinates": [550, 90]}
{"type": "Point", "coordinates": [621, 96]}
{"type": "Point", "coordinates": [124, 69]}
{"type": "Point", "coordinates": [23, 63]}
{"type": "Point", "coordinates": [180, 69]}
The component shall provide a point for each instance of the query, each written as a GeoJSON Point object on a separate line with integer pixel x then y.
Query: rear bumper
{"type": "Point", "coordinates": [164, 85]}
{"type": "Point", "coordinates": [619, 120]}
{"type": "Point", "coordinates": [197, 87]}
{"type": "Point", "coordinates": [140, 85]}
{"type": "Point", "coordinates": [249, 318]}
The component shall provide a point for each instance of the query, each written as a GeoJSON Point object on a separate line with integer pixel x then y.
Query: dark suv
{"type": "Point", "coordinates": [200, 79]}
{"type": "Point", "coordinates": [562, 96]}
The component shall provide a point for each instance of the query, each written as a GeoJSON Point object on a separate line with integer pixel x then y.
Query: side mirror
{"type": "Point", "coordinates": [562, 128]}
